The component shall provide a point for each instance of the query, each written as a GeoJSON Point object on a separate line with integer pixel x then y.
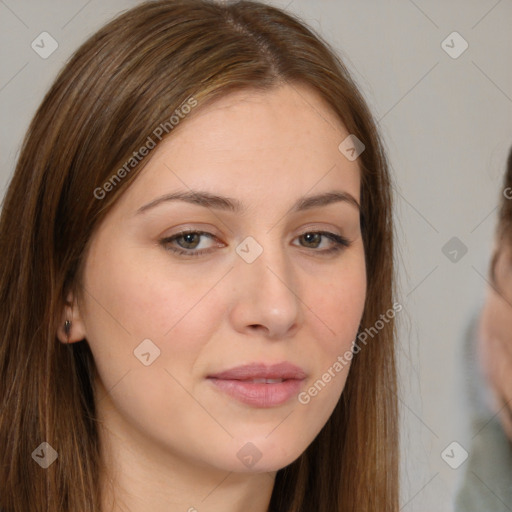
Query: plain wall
{"type": "Point", "coordinates": [447, 124]}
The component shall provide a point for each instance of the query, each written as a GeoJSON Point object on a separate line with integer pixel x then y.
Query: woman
{"type": "Point", "coordinates": [486, 484]}
{"type": "Point", "coordinates": [145, 370]}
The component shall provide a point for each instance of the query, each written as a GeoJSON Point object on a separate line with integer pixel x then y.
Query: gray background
{"type": "Point", "coordinates": [447, 125]}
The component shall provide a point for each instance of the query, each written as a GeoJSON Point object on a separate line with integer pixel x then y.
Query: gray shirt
{"type": "Point", "coordinates": [486, 483]}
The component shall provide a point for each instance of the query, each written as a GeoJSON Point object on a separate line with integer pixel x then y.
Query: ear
{"type": "Point", "coordinates": [71, 313]}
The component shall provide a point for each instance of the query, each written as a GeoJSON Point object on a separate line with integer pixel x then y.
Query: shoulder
{"type": "Point", "coordinates": [486, 479]}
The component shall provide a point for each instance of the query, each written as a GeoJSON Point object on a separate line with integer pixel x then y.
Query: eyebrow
{"type": "Point", "coordinates": [218, 202]}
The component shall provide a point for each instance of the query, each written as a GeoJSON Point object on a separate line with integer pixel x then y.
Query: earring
{"type": "Point", "coordinates": [67, 327]}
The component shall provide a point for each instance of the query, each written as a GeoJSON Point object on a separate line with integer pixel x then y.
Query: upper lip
{"type": "Point", "coordinates": [262, 371]}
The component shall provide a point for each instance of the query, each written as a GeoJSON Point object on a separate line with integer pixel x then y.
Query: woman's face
{"type": "Point", "coordinates": [495, 346]}
{"type": "Point", "coordinates": [252, 285]}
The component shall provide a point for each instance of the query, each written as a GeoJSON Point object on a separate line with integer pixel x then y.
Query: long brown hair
{"type": "Point", "coordinates": [124, 81]}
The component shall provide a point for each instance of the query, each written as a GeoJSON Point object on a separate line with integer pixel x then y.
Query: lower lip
{"type": "Point", "coordinates": [259, 394]}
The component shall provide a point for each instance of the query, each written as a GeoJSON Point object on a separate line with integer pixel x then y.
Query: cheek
{"type": "Point", "coordinates": [339, 306]}
{"type": "Point", "coordinates": [495, 343]}
{"type": "Point", "coordinates": [143, 296]}
{"type": "Point", "coordinates": [129, 300]}
{"type": "Point", "coordinates": [495, 323]}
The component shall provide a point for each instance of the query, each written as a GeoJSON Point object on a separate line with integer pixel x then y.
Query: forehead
{"type": "Point", "coordinates": [288, 129]}
{"type": "Point", "coordinates": [262, 145]}
{"type": "Point", "coordinates": [296, 113]}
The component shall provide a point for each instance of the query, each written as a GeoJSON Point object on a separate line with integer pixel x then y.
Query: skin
{"type": "Point", "coordinates": [170, 438]}
{"type": "Point", "coordinates": [495, 340]}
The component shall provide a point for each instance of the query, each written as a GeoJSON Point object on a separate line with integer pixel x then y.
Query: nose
{"type": "Point", "coordinates": [266, 299]}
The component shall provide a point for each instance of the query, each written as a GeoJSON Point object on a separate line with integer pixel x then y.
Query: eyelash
{"type": "Point", "coordinates": [339, 241]}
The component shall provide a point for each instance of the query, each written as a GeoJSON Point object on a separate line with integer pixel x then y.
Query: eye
{"type": "Point", "coordinates": [313, 240]}
{"type": "Point", "coordinates": [189, 241]}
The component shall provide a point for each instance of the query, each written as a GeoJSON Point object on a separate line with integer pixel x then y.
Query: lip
{"type": "Point", "coordinates": [238, 383]}
{"type": "Point", "coordinates": [262, 371]}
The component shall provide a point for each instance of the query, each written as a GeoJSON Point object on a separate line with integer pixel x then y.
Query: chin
{"type": "Point", "coordinates": [261, 455]}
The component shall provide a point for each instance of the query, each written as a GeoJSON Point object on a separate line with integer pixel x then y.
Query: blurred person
{"type": "Point", "coordinates": [487, 479]}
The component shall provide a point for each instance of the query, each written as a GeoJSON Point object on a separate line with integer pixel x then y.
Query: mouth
{"type": "Point", "coordinates": [263, 381]}
{"type": "Point", "coordinates": [260, 385]}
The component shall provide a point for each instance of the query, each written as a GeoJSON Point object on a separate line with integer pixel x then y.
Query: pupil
{"type": "Point", "coordinates": [312, 237]}
{"type": "Point", "coordinates": [189, 238]}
